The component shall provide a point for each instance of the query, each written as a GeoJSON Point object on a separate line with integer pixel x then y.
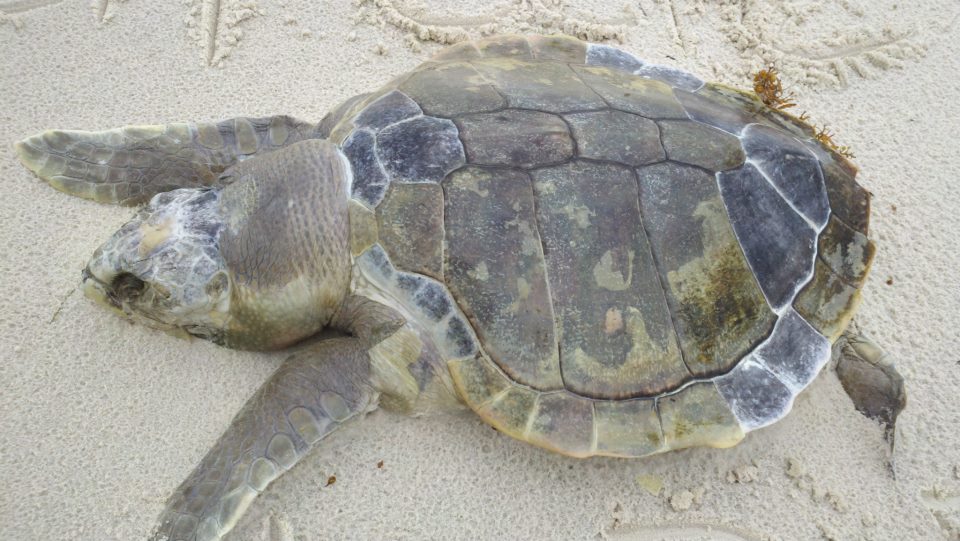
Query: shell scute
{"type": "Point", "coordinates": [613, 324]}
{"type": "Point", "coordinates": [448, 90]}
{"type": "Point", "coordinates": [697, 144]}
{"type": "Point", "coordinates": [698, 415]}
{"type": "Point", "coordinates": [627, 428]}
{"type": "Point", "coordinates": [564, 422]}
{"type": "Point", "coordinates": [494, 268]}
{"type": "Point", "coordinates": [779, 244]}
{"type": "Point", "coordinates": [626, 92]}
{"type": "Point", "coordinates": [421, 149]}
{"type": "Point", "coordinates": [616, 136]}
{"type": "Point", "coordinates": [410, 227]}
{"type": "Point", "coordinates": [719, 311]}
{"type": "Point", "coordinates": [558, 48]}
{"type": "Point", "coordinates": [544, 86]}
{"type": "Point", "coordinates": [388, 109]}
{"type": "Point", "coordinates": [515, 136]}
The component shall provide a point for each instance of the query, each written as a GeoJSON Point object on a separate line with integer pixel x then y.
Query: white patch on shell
{"type": "Point", "coordinates": [612, 57]}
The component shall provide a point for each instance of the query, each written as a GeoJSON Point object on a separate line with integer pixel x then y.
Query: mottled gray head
{"type": "Point", "coordinates": [163, 268]}
{"type": "Point", "coordinates": [258, 264]}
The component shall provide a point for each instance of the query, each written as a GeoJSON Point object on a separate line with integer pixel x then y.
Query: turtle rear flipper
{"type": "Point", "coordinates": [870, 379]}
{"type": "Point", "coordinates": [129, 165]}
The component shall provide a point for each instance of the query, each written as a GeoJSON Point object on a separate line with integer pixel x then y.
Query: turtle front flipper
{"type": "Point", "coordinates": [311, 394]}
{"type": "Point", "coordinates": [129, 165]}
{"type": "Point", "coordinates": [871, 380]}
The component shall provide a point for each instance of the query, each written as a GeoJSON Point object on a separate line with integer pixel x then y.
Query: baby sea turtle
{"type": "Point", "coordinates": [598, 255]}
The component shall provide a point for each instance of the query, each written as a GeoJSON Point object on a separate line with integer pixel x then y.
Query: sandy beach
{"type": "Point", "coordinates": [100, 420]}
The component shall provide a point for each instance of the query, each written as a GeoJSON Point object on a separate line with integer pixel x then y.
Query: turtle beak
{"type": "Point", "coordinates": [99, 292]}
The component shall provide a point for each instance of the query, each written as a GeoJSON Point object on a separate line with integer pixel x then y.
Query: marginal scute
{"type": "Point", "coordinates": [612, 57]}
{"type": "Point", "coordinates": [778, 243]}
{"type": "Point", "coordinates": [847, 252]}
{"type": "Point", "coordinates": [452, 89]}
{"type": "Point", "coordinates": [335, 126]}
{"type": "Point", "coordinates": [754, 394]}
{"type": "Point", "coordinates": [421, 149]}
{"type": "Point", "coordinates": [505, 46]}
{"type": "Point", "coordinates": [477, 379]}
{"type": "Point", "coordinates": [510, 411]}
{"type": "Point", "coordinates": [627, 428]}
{"type": "Point", "coordinates": [466, 50]}
{"type": "Point", "coordinates": [616, 136]}
{"type": "Point", "coordinates": [388, 109]}
{"type": "Point", "coordinates": [627, 92]}
{"type": "Point", "coordinates": [698, 415]}
{"type": "Point", "coordinates": [719, 311]}
{"type": "Point", "coordinates": [369, 180]}
{"type": "Point", "coordinates": [827, 302]}
{"type": "Point", "coordinates": [432, 298]}
{"type": "Point", "coordinates": [615, 332]}
{"type": "Point", "coordinates": [849, 201]}
{"type": "Point", "coordinates": [458, 334]}
{"type": "Point", "coordinates": [515, 137]}
{"type": "Point", "coordinates": [698, 144]}
{"type": "Point", "coordinates": [791, 168]}
{"type": "Point", "coordinates": [410, 225]}
{"type": "Point", "coordinates": [558, 48]}
{"type": "Point", "coordinates": [545, 86]}
{"type": "Point", "coordinates": [672, 76]}
{"type": "Point", "coordinates": [728, 113]}
{"type": "Point", "coordinates": [563, 422]}
{"type": "Point", "coordinates": [795, 352]}
{"type": "Point", "coordinates": [495, 269]}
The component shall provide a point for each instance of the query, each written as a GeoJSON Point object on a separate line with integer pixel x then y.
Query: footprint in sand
{"type": "Point", "coordinates": [212, 24]}
{"type": "Point", "coordinates": [446, 22]}
{"type": "Point", "coordinates": [816, 42]}
{"type": "Point", "coordinates": [945, 508]}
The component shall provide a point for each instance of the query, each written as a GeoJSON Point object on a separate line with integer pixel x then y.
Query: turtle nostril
{"type": "Point", "coordinates": [127, 286]}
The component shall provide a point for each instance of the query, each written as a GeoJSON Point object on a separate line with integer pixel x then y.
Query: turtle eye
{"type": "Point", "coordinates": [127, 286]}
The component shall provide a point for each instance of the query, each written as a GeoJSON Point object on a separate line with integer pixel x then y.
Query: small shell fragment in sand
{"type": "Point", "coordinates": [650, 483]}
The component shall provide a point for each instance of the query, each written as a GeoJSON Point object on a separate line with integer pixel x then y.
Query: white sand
{"type": "Point", "coordinates": [100, 420]}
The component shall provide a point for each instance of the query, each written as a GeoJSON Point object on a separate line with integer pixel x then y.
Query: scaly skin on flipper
{"type": "Point", "coordinates": [313, 393]}
{"type": "Point", "coordinates": [129, 165]}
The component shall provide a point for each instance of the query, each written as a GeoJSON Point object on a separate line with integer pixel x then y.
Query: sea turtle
{"type": "Point", "coordinates": [597, 255]}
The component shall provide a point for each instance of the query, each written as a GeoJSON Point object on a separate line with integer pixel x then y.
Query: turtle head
{"type": "Point", "coordinates": [259, 264]}
{"type": "Point", "coordinates": [163, 268]}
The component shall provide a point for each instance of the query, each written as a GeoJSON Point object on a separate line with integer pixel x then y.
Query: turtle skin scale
{"type": "Point", "coordinates": [614, 257]}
